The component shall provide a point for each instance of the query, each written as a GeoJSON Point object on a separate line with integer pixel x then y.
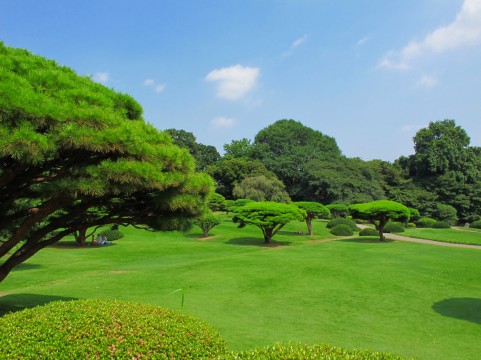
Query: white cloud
{"type": "Point", "coordinates": [223, 122]}
{"type": "Point", "coordinates": [157, 87]}
{"type": "Point", "coordinates": [428, 81]}
{"type": "Point", "coordinates": [234, 82]}
{"type": "Point", "coordinates": [101, 77]}
{"type": "Point", "coordinates": [362, 41]}
{"type": "Point", "coordinates": [464, 31]}
{"type": "Point", "coordinates": [299, 42]}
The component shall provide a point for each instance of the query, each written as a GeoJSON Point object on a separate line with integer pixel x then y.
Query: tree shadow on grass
{"type": "Point", "coordinates": [367, 240]}
{"type": "Point", "coordinates": [468, 309]}
{"type": "Point", "coordinates": [256, 242]}
{"type": "Point", "coordinates": [74, 245]}
{"type": "Point", "coordinates": [17, 302]}
{"type": "Point", "coordinates": [292, 233]}
{"type": "Point", "coordinates": [26, 266]}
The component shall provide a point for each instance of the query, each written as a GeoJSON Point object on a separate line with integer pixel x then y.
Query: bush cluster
{"type": "Point", "coordinates": [341, 230]}
{"type": "Point", "coordinates": [475, 224]}
{"type": "Point", "coordinates": [368, 232]}
{"type": "Point", "coordinates": [425, 222]}
{"type": "Point", "coordinates": [342, 221]}
{"type": "Point", "coordinates": [295, 351]}
{"type": "Point", "coordinates": [441, 225]}
{"type": "Point", "coordinates": [393, 227]}
{"type": "Point", "coordinates": [112, 235]}
{"type": "Point", "coordinates": [104, 329]}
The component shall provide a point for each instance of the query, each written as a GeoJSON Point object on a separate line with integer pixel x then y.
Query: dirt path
{"type": "Point", "coordinates": [424, 241]}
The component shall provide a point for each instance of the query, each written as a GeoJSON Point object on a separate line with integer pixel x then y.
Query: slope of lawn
{"type": "Point", "coordinates": [409, 299]}
{"type": "Point", "coordinates": [462, 236]}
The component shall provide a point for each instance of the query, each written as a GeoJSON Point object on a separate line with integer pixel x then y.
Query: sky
{"type": "Point", "coordinates": [369, 73]}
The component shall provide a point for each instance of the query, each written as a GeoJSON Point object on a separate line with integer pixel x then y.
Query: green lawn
{"type": "Point", "coordinates": [409, 299]}
{"type": "Point", "coordinates": [469, 236]}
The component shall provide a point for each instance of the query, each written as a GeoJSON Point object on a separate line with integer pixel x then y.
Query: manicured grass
{"type": "Point", "coordinates": [469, 236]}
{"type": "Point", "coordinates": [408, 299]}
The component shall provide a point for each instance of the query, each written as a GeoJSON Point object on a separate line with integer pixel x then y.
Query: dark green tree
{"type": "Point", "coordinates": [313, 211]}
{"type": "Point", "coordinates": [270, 217]}
{"type": "Point", "coordinates": [206, 222]}
{"type": "Point", "coordinates": [229, 172]}
{"type": "Point", "coordinates": [261, 188]}
{"type": "Point", "coordinates": [379, 212]}
{"type": "Point", "coordinates": [75, 154]}
{"type": "Point", "coordinates": [286, 147]}
{"type": "Point", "coordinates": [337, 210]}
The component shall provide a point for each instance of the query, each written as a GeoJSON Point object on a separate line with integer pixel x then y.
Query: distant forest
{"type": "Point", "coordinates": [444, 174]}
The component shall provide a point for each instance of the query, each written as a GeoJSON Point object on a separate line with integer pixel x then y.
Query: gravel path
{"type": "Point", "coordinates": [424, 241]}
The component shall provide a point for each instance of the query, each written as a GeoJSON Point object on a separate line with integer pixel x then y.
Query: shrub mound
{"type": "Point", "coordinates": [475, 224]}
{"type": "Point", "coordinates": [342, 221]}
{"type": "Point", "coordinates": [425, 222]}
{"type": "Point", "coordinates": [106, 329]}
{"type": "Point", "coordinates": [341, 230]}
{"type": "Point", "coordinates": [368, 232]}
{"type": "Point", "coordinates": [112, 235]}
{"type": "Point", "coordinates": [296, 351]}
{"type": "Point", "coordinates": [441, 225]}
{"type": "Point", "coordinates": [393, 227]}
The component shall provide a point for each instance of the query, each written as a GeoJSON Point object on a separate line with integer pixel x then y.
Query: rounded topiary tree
{"type": "Point", "coordinates": [207, 222]}
{"type": "Point", "coordinates": [379, 212]}
{"type": "Point", "coordinates": [337, 210]}
{"type": "Point", "coordinates": [475, 224]}
{"type": "Point", "coordinates": [268, 216]}
{"type": "Point", "coordinates": [314, 210]}
{"type": "Point", "coordinates": [425, 222]}
{"type": "Point", "coordinates": [106, 329]}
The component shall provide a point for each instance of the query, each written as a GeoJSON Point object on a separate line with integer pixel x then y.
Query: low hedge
{"type": "Point", "coordinates": [106, 329]}
{"type": "Point", "coordinates": [112, 235]}
{"type": "Point", "coordinates": [342, 221]}
{"type": "Point", "coordinates": [393, 227]}
{"type": "Point", "coordinates": [475, 224]}
{"type": "Point", "coordinates": [298, 351]}
{"type": "Point", "coordinates": [341, 230]}
{"type": "Point", "coordinates": [441, 225]}
{"type": "Point", "coordinates": [425, 222]}
{"type": "Point", "coordinates": [368, 232]}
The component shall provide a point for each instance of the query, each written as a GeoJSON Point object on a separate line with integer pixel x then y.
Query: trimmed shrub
{"type": "Point", "coordinates": [393, 227]}
{"type": "Point", "coordinates": [411, 225]}
{"type": "Point", "coordinates": [341, 230]}
{"type": "Point", "coordinates": [112, 235]}
{"type": "Point", "coordinates": [294, 351]}
{"type": "Point", "coordinates": [369, 232]}
{"type": "Point", "coordinates": [342, 221]}
{"type": "Point", "coordinates": [441, 225]}
{"type": "Point", "coordinates": [106, 329]}
{"type": "Point", "coordinates": [475, 224]}
{"type": "Point", "coordinates": [425, 222]}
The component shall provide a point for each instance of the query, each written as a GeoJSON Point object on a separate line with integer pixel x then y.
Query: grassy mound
{"type": "Point", "coordinates": [99, 329]}
{"type": "Point", "coordinates": [342, 230]}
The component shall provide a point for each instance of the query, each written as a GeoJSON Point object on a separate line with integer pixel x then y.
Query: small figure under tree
{"type": "Point", "coordinates": [379, 212]}
{"type": "Point", "coordinates": [268, 216]}
{"type": "Point", "coordinates": [314, 210]}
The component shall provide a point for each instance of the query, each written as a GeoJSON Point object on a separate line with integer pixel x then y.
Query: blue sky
{"type": "Point", "coordinates": [369, 73]}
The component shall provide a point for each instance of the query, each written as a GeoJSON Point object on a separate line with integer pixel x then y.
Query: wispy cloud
{"type": "Point", "coordinates": [428, 81]}
{"type": "Point", "coordinates": [294, 45]}
{"type": "Point", "coordinates": [234, 82]}
{"type": "Point", "coordinates": [223, 122]}
{"type": "Point", "coordinates": [101, 77]}
{"type": "Point", "coordinates": [362, 41]}
{"type": "Point", "coordinates": [464, 31]}
{"type": "Point", "coordinates": [158, 88]}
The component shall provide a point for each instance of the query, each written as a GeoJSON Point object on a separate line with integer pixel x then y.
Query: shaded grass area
{"type": "Point", "coordinates": [446, 235]}
{"type": "Point", "coordinates": [408, 299]}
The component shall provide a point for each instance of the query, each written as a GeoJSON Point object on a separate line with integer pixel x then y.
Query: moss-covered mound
{"type": "Point", "coordinates": [341, 230]}
{"type": "Point", "coordinates": [300, 351]}
{"type": "Point", "coordinates": [342, 221]}
{"type": "Point", "coordinates": [103, 329]}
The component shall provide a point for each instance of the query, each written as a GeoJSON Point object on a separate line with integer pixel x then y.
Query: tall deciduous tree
{"type": "Point", "coordinates": [379, 213]}
{"type": "Point", "coordinates": [270, 217]}
{"type": "Point", "coordinates": [287, 146]}
{"type": "Point", "coordinates": [313, 210]}
{"type": "Point", "coordinates": [74, 154]}
{"type": "Point", "coordinates": [261, 188]}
